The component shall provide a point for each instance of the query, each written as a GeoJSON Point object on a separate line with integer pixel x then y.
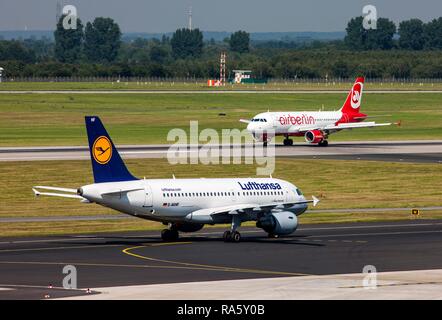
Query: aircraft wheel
{"type": "Point", "coordinates": [272, 236]}
{"type": "Point", "coordinates": [236, 236]}
{"type": "Point", "coordinates": [169, 235]}
{"type": "Point", "coordinates": [288, 142]}
{"type": "Point", "coordinates": [227, 236]}
{"type": "Point", "coordinates": [323, 143]}
{"type": "Point", "coordinates": [265, 144]}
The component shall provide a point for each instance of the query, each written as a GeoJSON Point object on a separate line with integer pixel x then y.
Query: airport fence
{"type": "Point", "coordinates": [191, 80]}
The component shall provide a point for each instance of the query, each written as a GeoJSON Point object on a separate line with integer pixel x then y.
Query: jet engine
{"type": "Point", "coordinates": [278, 223]}
{"type": "Point", "coordinates": [314, 136]}
{"type": "Point", "coordinates": [188, 227]}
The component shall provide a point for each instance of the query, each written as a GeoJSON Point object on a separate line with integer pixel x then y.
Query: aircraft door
{"type": "Point", "coordinates": [288, 196]}
{"type": "Point", "coordinates": [148, 199]}
{"type": "Point", "coordinates": [275, 121]}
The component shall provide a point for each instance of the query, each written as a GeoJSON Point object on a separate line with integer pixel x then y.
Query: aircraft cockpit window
{"type": "Point", "coordinates": [299, 192]}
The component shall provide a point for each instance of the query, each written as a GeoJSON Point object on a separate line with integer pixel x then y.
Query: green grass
{"type": "Point", "coordinates": [202, 85]}
{"type": "Point", "coordinates": [339, 184]}
{"type": "Point", "coordinates": [58, 119]}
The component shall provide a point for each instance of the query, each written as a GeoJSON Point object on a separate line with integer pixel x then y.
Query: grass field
{"type": "Point", "coordinates": [367, 185]}
{"type": "Point", "coordinates": [58, 119]}
{"type": "Point", "coordinates": [200, 85]}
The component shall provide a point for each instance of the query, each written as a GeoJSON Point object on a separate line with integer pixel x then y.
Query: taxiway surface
{"type": "Point", "coordinates": [28, 266]}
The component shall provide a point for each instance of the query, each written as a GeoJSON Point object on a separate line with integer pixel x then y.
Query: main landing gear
{"type": "Point", "coordinates": [288, 142]}
{"type": "Point", "coordinates": [323, 143]}
{"type": "Point", "coordinates": [170, 235]}
{"type": "Point", "coordinates": [233, 235]}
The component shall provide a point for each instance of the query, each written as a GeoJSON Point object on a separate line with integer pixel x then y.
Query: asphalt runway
{"type": "Point", "coordinates": [426, 151]}
{"type": "Point", "coordinates": [28, 266]}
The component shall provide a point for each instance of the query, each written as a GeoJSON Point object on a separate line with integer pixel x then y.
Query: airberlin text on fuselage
{"type": "Point", "coordinates": [296, 120]}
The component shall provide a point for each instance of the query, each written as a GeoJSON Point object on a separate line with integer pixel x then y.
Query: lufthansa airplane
{"type": "Point", "coordinates": [314, 126]}
{"type": "Point", "coordinates": [185, 205]}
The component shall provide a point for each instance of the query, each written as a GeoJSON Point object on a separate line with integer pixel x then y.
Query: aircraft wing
{"type": "Point", "coordinates": [67, 192]}
{"type": "Point", "coordinates": [242, 208]}
{"type": "Point", "coordinates": [341, 126]}
{"type": "Point", "coordinates": [244, 121]}
{"type": "Point", "coordinates": [296, 129]}
{"type": "Point", "coordinates": [355, 125]}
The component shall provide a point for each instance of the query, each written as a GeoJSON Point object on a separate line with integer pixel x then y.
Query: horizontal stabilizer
{"type": "Point", "coordinates": [69, 190]}
{"type": "Point", "coordinates": [53, 194]}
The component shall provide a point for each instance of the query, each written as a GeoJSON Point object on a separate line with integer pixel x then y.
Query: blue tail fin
{"type": "Point", "coordinates": [107, 164]}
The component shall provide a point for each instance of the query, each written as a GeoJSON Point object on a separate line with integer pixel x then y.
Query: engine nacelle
{"type": "Point", "coordinates": [279, 223]}
{"type": "Point", "coordinates": [188, 227]}
{"type": "Point", "coordinates": [314, 136]}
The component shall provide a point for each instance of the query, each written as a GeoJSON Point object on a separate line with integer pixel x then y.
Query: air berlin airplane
{"type": "Point", "coordinates": [314, 126]}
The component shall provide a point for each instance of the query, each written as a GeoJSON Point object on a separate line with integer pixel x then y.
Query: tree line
{"type": "Point", "coordinates": [413, 35]}
{"type": "Point", "coordinates": [97, 50]}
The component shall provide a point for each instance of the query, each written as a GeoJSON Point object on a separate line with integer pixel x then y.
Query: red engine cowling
{"type": "Point", "coordinates": [314, 136]}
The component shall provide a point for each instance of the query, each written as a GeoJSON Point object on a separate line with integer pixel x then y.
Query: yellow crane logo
{"type": "Point", "coordinates": [102, 150]}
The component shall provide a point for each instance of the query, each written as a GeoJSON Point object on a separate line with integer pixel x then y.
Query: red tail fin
{"type": "Point", "coordinates": [353, 102]}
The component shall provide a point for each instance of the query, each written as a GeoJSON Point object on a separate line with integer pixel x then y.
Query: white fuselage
{"type": "Point", "coordinates": [292, 123]}
{"type": "Point", "coordinates": [172, 200]}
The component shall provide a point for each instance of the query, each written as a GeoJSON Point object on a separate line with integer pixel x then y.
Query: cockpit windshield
{"type": "Point", "coordinates": [259, 120]}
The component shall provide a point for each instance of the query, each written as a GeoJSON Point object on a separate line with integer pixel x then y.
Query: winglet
{"type": "Point", "coordinates": [315, 201]}
{"type": "Point", "coordinates": [36, 192]}
{"type": "Point", "coordinates": [399, 123]}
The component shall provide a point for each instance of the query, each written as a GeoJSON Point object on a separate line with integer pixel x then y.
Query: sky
{"type": "Point", "coordinates": [215, 15]}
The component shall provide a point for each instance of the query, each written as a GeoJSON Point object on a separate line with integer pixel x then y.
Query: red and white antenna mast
{"type": "Point", "coordinates": [222, 69]}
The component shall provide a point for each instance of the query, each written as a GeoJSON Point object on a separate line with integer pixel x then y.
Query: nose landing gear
{"type": "Point", "coordinates": [233, 235]}
{"type": "Point", "coordinates": [170, 235]}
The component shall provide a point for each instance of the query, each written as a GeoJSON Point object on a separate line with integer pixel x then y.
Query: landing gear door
{"type": "Point", "coordinates": [148, 199]}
